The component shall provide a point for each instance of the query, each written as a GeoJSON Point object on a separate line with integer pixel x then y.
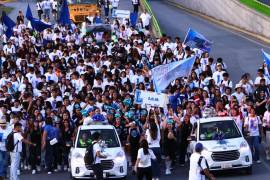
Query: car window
{"type": "Point", "coordinates": [219, 130]}
{"type": "Point", "coordinates": [107, 135]}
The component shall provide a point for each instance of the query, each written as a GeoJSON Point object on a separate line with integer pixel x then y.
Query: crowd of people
{"type": "Point", "coordinates": [52, 81]}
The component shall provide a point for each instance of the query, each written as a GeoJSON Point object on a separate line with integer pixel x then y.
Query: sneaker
{"type": "Point", "coordinates": [38, 168]}
{"type": "Point", "coordinates": [59, 168]}
{"type": "Point", "coordinates": [49, 172]}
{"type": "Point", "coordinates": [25, 167]}
{"type": "Point", "coordinates": [168, 172]}
{"type": "Point", "coordinates": [258, 162]}
{"type": "Point", "coordinates": [33, 171]}
{"type": "Point", "coordinates": [65, 168]}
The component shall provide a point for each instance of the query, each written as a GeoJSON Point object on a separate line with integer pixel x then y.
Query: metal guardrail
{"type": "Point", "coordinates": [154, 19]}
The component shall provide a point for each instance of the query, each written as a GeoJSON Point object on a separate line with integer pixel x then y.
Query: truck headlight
{"type": "Point", "coordinates": [120, 158]}
{"type": "Point", "coordinates": [244, 146]}
{"type": "Point", "coordinates": [78, 156]}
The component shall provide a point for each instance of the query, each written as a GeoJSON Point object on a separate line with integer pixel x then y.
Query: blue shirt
{"type": "Point", "coordinates": [50, 132]}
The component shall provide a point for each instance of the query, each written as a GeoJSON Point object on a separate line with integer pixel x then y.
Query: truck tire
{"type": "Point", "coordinates": [248, 170]}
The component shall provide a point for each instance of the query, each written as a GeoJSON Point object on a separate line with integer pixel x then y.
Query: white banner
{"type": "Point", "coordinates": [121, 14]}
{"type": "Point", "coordinates": [147, 98]}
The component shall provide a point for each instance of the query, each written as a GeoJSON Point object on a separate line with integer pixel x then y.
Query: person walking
{"type": "Point", "coordinates": [198, 165]}
{"type": "Point", "coordinates": [47, 8]}
{"type": "Point", "coordinates": [153, 138]}
{"type": "Point", "coordinates": [35, 155]}
{"type": "Point", "coordinates": [48, 142]}
{"type": "Point", "coordinates": [15, 154]}
{"type": "Point", "coordinates": [4, 131]}
{"type": "Point", "coordinates": [106, 4]}
{"type": "Point", "coordinates": [115, 4]}
{"type": "Point", "coordinates": [39, 8]}
{"type": "Point", "coordinates": [136, 4]}
{"type": "Point", "coordinates": [97, 154]}
{"type": "Point", "coordinates": [143, 163]}
{"type": "Point", "coordinates": [266, 123]}
{"type": "Point", "coordinates": [253, 125]}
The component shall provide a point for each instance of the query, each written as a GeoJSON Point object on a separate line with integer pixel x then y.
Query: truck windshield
{"type": "Point", "coordinates": [219, 130]}
{"type": "Point", "coordinates": [107, 135]}
{"type": "Point", "coordinates": [82, 1]}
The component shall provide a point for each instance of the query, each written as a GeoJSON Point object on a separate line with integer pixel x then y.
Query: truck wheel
{"type": "Point", "coordinates": [249, 170]}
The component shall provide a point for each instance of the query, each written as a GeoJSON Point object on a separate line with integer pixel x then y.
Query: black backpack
{"type": "Point", "coordinates": [10, 142]}
{"type": "Point", "coordinates": [89, 158]}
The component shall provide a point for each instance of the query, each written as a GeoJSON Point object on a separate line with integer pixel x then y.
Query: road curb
{"type": "Point", "coordinates": [219, 22]}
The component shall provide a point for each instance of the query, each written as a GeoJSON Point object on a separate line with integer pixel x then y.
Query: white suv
{"type": "Point", "coordinates": [224, 144]}
{"type": "Point", "coordinates": [114, 166]}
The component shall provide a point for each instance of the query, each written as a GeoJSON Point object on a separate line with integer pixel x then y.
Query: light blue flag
{"type": "Point", "coordinates": [163, 75]}
{"type": "Point", "coordinates": [266, 58]}
{"type": "Point", "coordinates": [196, 40]}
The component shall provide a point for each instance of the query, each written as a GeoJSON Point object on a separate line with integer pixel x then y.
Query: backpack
{"type": "Point", "coordinates": [199, 163]}
{"type": "Point", "coordinates": [89, 158]}
{"type": "Point", "coordinates": [10, 142]}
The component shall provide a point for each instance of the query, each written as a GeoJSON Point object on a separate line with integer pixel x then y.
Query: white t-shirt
{"type": "Point", "coordinates": [151, 142]}
{"type": "Point", "coordinates": [96, 148]}
{"type": "Point", "coordinates": [18, 140]}
{"type": "Point", "coordinates": [218, 77]}
{"type": "Point", "coordinates": [3, 136]}
{"type": "Point", "coordinates": [253, 125]}
{"type": "Point", "coordinates": [195, 169]}
{"type": "Point", "coordinates": [145, 160]}
{"type": "Point", "coordinates": [145, 19]}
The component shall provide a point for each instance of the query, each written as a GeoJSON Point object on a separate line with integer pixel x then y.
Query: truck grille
{"type": "Point", "coordinates": [225, 155]}
{"type": "Point", "coordinates": [106, 164]}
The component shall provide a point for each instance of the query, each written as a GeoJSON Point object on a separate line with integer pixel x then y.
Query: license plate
{"type": "Point", "coordinates": [226, 166]}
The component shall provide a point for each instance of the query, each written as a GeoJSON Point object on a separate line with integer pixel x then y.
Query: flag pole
{"type": "Point", "coordinates": [186, 36]}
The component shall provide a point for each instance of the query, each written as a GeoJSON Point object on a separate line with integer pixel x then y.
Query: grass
{"type": "Point", "coordinates": [5, 8]}
{"type": "Point", "coordinates": [253, 4]}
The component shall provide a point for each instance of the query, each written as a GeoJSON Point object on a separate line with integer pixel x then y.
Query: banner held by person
{"type": "Point", "coordinates": [163, 75]}
{"type": "Point", "coordinates": [147, 98]}
{"type": "Point", "coordinates": [194, 39]}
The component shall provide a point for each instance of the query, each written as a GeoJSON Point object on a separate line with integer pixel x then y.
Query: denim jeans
{"type": "Point", "coordinates": [49, 156]}
{"type": "Point", "coordinates": [3, 163]}
{"type": "Point", "coordinates": [254, 145]}
{"type": "Point", "coordinates": [15, 164]}
{"type": "Point", "coordinates": [155, 164]}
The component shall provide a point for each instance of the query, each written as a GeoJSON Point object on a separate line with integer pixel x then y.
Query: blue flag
{"type": "Point", "coordinates": [196, 40]}
{"type": "Point", "coordinates": [163, 75]}
{"type": "Point", "coordinates": [36, 24]}
{"type": "Point", "coordinates": [133, 19]}
{"type": "Point", "coordinates": [64, 14]}
{"type": "Point", "coordinates": [266, 58]}
{"type": "Point", "coordinates": [8, 23]}
{"type": "Point", "coordinates": [29, 14]}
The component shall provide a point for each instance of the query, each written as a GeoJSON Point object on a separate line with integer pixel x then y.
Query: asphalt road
{"type": "Point", "coordinates": [241, 53]}
{"type": "Point", "coordinates": [267, 2]}
{"type": "Point", "coordinates": [260, 171]}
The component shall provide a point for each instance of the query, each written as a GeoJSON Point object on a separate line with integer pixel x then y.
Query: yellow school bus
{"type": "Point", "coordinates": [80, 9]}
